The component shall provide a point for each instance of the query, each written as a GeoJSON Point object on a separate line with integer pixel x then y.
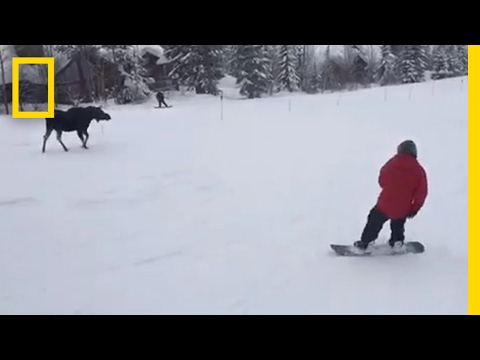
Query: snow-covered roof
{"type": "Point", "coordinates": [155, 50]}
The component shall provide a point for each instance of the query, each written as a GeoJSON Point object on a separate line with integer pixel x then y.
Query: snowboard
{"type": "Point", "coordinates": [411, 247]}
{"type": "Point", "coordinates": [158, 107]}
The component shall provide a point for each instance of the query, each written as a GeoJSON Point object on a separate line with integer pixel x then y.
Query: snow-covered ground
{"type": "Point", "coordinates": [175, 211]}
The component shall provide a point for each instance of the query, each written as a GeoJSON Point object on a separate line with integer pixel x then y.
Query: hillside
{"type": "Point", "coordinates": [176, 211]}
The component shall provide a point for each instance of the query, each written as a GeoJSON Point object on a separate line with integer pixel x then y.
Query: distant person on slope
{"type": "Point", "coordinates": [404, 191]}
{"type": "Point", "coordinates": [161, 99]}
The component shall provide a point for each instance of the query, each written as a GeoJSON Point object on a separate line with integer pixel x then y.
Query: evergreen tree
{"type": "Point", "coordinates": [328, 72]}
{"type": "Point", "coordinates": [253, 68]}
{"type": "Point", "coordinates": [315, 80]}
{"type": "Point", "coordinates": [449, 61]}
{"type": "Point", "coordinates": [132, 85]}
{"type": "Point", "coordinates": [299, 53]}
{"type": "Point", "coordinates": [198, 67]}
{"type": "Point", "coordinates": [229, 60]}
{"type": "Point", "coordinates": [462, 56]}
{"type": "Point", "coordinates": [429, 57]}
{"type": "Point", "coordinates": [397, 49]}
{"type": "Point", "coordinates": [207, 67]}
{"type": "Point", "coordinates": [272, 54]}
{"type": "Point", "coordinates": [359, 65]}
{"type": "Point", "coordinates": [288, 78]}
{"type": "Point", "coordinates": [385, 73]}
{"type": "Point", "coordinates": [412, 63]}
{"type": "Point", "coordinates": [182, 70]}
{"type": "Point", "coordinates": [306, 67]}
{"type": "Point", "coordinates": [443, 62]}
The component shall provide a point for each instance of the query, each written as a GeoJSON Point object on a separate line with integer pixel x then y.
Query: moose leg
{"type": "Point", "coordinates": [86, 138]}
{"type": "Point", "coordinates": [45, 138]}
{"type": "Point", "coordinates": [80, 135]}
{"type": "Point", "coordinates": [59, 138]}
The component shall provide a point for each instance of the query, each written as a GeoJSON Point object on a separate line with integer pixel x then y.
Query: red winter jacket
{"type": "Point", "coordinates": [404, 187]}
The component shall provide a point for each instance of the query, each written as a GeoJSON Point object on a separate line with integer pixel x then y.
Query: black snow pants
{"type": "Point", "coordinates": [161, 100]}
{"type": "Point", "coordinates": [375, 222]}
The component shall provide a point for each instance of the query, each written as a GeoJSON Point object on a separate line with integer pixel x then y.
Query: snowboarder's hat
{"type": "Point", "coordinates": [408, 147]}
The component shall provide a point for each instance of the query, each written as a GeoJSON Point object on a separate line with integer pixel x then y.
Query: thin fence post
{"type": "Point", "coordinates": [221, 105]}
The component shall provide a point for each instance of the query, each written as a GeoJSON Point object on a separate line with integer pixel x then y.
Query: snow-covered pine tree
{"type": "Point", "coordinates": [385, 73]}
{"type": "Point", "coordinates": [272, 54]}
{"type": "Point", "coordinates": [253, 69]}
{"type": "Point", "coordinates": [299, 52]}
{"type": "Point", "coordinates": [182, 71]}
{"type": "Point", "coordinates": [288, 78]}
{"type": "Point", "coordinates": [114, 51]}
{"type": "Point", "coordinates": [328, 71]}
{"type": "Point", "coordinates": [73, 51]}
{"type": "Point", "coordinates": [207, 68]}
{"type": "Point", "coordinates": [229, 60]}
{"type": "Point", "coordinates": [132, 85]}
{"type": "Point", "coordinates": [428, 57]}
{"type": "Point", "coordinates": [396, 50]}
{"type": "Point", "coordinates": [373, 62]}
{"type": "Point", "coordinates": [306, 67]}
{"type": "Point", "coordinates": [315, 80]}
{"type": "Point", "coordinates": [454, 60]}
{"type": "Point", "coordinates": [442, 62]}
{"type": "Point", "coordinates": [198, 67]}
{"type": "Point", "coordinates": [412, 64]}
{"type": "Point", "coordinates": [462, 56]}
{"type": "Point", "coordinates": [359, 65]}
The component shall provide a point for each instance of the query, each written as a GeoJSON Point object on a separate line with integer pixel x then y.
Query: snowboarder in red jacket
{"type": "Point", "coordinates": [404, 191]}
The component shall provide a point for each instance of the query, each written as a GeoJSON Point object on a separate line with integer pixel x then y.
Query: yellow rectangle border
{"type": "Point", "coordinates": [473, 179]}
{"type": "Point", "coordinates": [16, 62]}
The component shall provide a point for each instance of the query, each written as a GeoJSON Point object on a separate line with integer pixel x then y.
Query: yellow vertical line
{"type": "Point", "coordinates": [51, 87]}
{"type": "Point", "coordinates": [473, 179]}
{"type": "Point", "coordinates": [15, 87]}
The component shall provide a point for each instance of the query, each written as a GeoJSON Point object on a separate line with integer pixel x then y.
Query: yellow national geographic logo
{"type": "Point", "coordinates": [16, 62]}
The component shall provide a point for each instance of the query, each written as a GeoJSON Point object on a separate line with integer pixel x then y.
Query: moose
{"type": "Point", "coordinates": [75, 119]}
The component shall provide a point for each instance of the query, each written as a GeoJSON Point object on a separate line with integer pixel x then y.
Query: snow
{"type": "Point", "coordinates": [174, 211]}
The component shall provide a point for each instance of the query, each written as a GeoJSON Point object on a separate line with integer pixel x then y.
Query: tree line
{"type": "Point", "coordinates": [266, 69]}
{"type": "Point", "coordinates": [259, 70]}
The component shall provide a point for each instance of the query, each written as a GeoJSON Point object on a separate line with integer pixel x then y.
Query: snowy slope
{"type": "Point", "coordinates": [176, 212]}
